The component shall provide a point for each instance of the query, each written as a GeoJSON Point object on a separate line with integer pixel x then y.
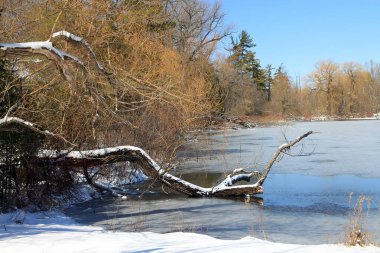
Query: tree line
{"type": "Point", "coordinates": [331, 89]}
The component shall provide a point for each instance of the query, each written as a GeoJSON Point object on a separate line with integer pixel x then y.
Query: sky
{"type": "Point", "coordinates": [300, 33]}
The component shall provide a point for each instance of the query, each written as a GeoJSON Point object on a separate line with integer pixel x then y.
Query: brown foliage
{"type": "Point", "coordinates": [150, 94]}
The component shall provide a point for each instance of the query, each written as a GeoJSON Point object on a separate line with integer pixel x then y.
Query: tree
{"type": "Point", "coordinates": [283, 100]}
{"type": "Point", "coordinates": [268, 81]}
{"type": "Point", "coordinates": [373, 70]}
{"type": "Point", "coordinates": [323, 79]}
{"type": "Point", "coordinates": [242, 57]}
{"type": "Point", "coordinates": [236, 91]}
{"type": "Point", "coordinates": [93, 158]}
{"type": "Point", "coordinates": [10, 82]}
{"type": "Point", "coordinates": [198, 27]}
{"type": "Point", "coordinates": [245, 62]}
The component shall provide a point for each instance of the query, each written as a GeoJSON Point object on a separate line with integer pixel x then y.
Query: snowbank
{"type": "Point", "coordinates": [55, 232]}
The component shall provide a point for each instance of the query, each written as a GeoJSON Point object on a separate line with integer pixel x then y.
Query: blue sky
{"type": "Point", "coordinates": [299, 33]}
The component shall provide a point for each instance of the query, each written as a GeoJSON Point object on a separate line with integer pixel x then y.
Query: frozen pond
{"type": "Point", "coordinates": [306, 198]}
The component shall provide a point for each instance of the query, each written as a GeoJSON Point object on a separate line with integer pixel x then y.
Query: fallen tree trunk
{"type": "Point", "coordinates": [227, 187]}
{"type": "Point", "coordinates": [92, 158]}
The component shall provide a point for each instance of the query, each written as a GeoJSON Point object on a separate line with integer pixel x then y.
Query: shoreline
{"type": "Point", "coordinates": [54, 231]}
{"type": "Point", "coordinates": [247, 122]}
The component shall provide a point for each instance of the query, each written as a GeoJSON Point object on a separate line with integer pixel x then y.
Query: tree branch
{"type": "Point", "coordinates": [282, 148]}
{"type": "Point", "coordinates": [6, 121]}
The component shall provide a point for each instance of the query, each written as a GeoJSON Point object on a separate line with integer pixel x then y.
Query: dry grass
{"type": "Point", "coordinates": [356, 233]}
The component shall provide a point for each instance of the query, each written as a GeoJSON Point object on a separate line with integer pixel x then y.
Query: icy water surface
{"type": "Point", "coordinates": [306, 198]}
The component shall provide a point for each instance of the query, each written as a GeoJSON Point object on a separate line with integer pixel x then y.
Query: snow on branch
{"type": "Point", "coordinates": [38, 45]}
{"type": "Point", "coordinates": [49, 50]}
{"type": "Point", "coordinates": [6, 121]}
{"type": "Point", "coordinates": [67, 35]}
{"type": "Point", "coordinates": [79, 39]}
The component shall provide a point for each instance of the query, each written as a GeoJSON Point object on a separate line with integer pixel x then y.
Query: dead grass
{"type": "Point", "coordinates": [356, 233]}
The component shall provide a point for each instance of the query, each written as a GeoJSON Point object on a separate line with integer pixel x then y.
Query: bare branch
{"type": "Point", "coordinates": [281, 149]}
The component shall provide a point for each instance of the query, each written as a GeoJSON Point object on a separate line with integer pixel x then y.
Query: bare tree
{"type": "Point", "coordinates": [323, 79]}
{"type": "Point", "coordinates": [198, 27]}
{"type": "Point", "coordinates": [373, 69]}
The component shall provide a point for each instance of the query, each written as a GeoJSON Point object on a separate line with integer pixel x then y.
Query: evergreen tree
{"type": "Point", "coordinates": [245, 61]}
{"type": "Point", "coordinates": [268, 82]}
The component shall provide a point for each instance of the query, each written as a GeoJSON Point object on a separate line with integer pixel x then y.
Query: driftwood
{"type": "Point", "coordinates": [92, 158]}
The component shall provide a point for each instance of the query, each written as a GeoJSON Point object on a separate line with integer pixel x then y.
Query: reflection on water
{"type": "Point", "coordinates": [305, 200]}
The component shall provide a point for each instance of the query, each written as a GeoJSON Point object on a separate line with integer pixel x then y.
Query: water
{"type": "Point", "coordinates": [306, 198]}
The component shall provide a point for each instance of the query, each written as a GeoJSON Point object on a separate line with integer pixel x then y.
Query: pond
{"type": "Point", "coordinates": [308, 197]}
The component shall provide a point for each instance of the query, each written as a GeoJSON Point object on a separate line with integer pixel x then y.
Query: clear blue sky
{"type": "Point", "coordinates": [299, 33]}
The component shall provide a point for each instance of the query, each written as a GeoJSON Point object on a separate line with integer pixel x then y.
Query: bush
{"type": "Point", "coordinates": [22, 181]}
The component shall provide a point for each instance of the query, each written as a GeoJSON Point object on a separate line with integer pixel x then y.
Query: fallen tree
{"type": "Point", "coordinates": [89, 159]}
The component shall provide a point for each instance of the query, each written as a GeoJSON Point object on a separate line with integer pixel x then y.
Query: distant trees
{"type": "Point", "coordinates": [343, 90]}
{"type": "Point", "coordinates": [324, 80]}
{"type": "Point", "coordinates": [335, 90]}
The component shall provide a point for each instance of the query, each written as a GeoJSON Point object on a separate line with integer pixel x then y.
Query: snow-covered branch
{"type": "Point", "coordinates": [227, 187]}
{"type": "Point", "coordinates": [79, 39]}
{"type": "Point", "coordinates": [50, 51]}
{"type": "Point", "coordinates": [7, 121]}
{"type": "Point", "coordinates": [34, 47]}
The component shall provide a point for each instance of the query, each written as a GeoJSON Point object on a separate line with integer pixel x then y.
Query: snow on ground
{"type": "Point", "coordinates": [55, 232]}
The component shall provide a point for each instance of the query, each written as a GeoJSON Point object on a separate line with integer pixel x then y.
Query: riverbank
{"type": "Point", "coordinates": [55, 232]}
{"type": "Point", "coordinates": [236, 122]}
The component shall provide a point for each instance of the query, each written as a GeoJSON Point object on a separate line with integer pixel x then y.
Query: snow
{"type": "Point", "coordinates": [68, 35]}
{"type": "Point", "coordinates": [41, 45]}
{"type": "Point", "coordinates": [32, 45]}
{"type": "Point", "coordinates": [7, 120]}
{"type": "Point", "coordinates": [81, 40]}
{"type": "Point", "coordinates": [95, 153]}
{"type": "Point", "coordinates": [55, 232]}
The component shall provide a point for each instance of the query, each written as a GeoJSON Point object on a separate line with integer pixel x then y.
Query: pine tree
{"type": "Point", "coordinates": [245, 61]}
{"type": "Point", "coordinates": [268, 82]}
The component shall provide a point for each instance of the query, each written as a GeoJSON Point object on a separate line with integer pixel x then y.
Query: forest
{"type": "Point", "coordinates": [87, 75]}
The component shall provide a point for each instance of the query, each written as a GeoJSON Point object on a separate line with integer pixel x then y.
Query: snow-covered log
{"type": "Point", "coordinates": [92, 158]}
